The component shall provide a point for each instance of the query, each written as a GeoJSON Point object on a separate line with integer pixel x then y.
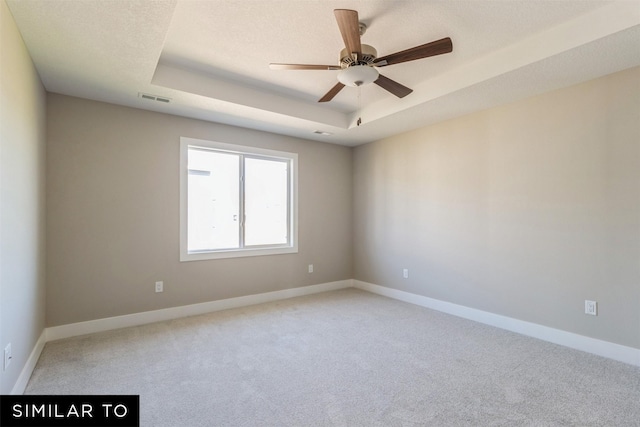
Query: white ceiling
{"type": "Point", "coordinates": [211, 57]}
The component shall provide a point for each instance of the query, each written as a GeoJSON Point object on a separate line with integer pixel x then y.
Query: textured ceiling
{"type": "Point", "coordinates": [211, 57]}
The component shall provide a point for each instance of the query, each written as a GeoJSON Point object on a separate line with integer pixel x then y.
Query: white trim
{"type": "Point", "coordinates": [237, 253]}
{"type": "Point", "coordinates": [602, 348]}
{"type": "Point", "coordinates": [110, 323]}
{"type": "Point", "coordinates": [568, 339]}
{"type": "Point", "coordinates": [290, 158]}
{"type": "Point", "coordinates": [27, 370]}
{"type": "Point", "coordinates": [99, 325]}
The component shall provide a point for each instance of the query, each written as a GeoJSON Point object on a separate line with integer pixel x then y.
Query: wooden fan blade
{"type": "Point", "coordinates": [333, 92]}
{"type": "Point", "coordinates": [275, 66]}
{"type": "Point", "coordinates": [350, 29]}
{"type": "Point", "coordinates": [392, 86]}
{"type": "Point", "coordinates": [437, 47]}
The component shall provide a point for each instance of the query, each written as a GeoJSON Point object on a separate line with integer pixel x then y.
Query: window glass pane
{"type": "Point", "coordinates": [213, 200]}
{"type": "Point", "coordinates": [236, 201]}
{"type": "Point", "coordinates": [266, 204]}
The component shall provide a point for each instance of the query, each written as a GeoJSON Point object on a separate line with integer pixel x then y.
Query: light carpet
{"type": "Point", "coordinates": [342, 358]}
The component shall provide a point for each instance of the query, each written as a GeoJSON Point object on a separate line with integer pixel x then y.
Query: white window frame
{"type": "Point", "coordinates": [290, 247]}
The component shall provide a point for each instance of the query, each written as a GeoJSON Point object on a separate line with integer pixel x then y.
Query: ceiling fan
{"type": "Point", "coordinates": [358, 62]}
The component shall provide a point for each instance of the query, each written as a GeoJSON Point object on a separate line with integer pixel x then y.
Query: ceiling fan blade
{"type": "Point", "coordinates": [437, 47]}
{"type": "Point", "coordinates": [350, 29]}
{"type": "Point", "coordinates": [333, 92]}
{"type": "Point", "coordinates": [275, 66]}
{"type": "Point", "coordinates": [392, 86]}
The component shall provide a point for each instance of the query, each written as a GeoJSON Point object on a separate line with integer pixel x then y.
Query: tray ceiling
{"type": "Point", "coordinates": [210, 58]}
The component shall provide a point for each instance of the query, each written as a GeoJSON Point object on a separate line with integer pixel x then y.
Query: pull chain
{"type": "Point", "coordinates": [359, 106]}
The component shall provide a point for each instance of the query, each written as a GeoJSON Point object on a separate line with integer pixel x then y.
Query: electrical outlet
{"type": "Point", "coordinates": [310, 268]}
{"type": "Point", "coordinates": [405, 273]}
{"type": "Point", "coordinates": [159, 286]}
{"type": "Point", "coordinates": [590, 307]}
{"type": "Point", "coordinates": [7, 356]}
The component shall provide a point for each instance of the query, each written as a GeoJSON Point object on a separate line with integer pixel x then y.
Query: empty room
{"type": "Point", "coordinates": [305, 212]}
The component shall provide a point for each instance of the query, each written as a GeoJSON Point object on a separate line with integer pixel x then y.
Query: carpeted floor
{"type": "Point", "coordinates": [343, 358]}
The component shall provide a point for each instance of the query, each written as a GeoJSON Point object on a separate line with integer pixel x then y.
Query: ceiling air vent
{"type": "Point", "coordinates": [154, 97]}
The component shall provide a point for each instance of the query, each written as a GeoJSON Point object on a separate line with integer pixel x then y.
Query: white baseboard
{"type": "Point", "coordinates": [606, 349]}
{"type": "Point", "coordinates": [591, 345]}
{"type": "Point", "coordinates": [99, 325]}
{"type": "Point", "coordinates": [27, 370]}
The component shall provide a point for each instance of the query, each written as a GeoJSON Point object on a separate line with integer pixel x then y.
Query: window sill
{"type": "Point", "coordinates": [239, 253]}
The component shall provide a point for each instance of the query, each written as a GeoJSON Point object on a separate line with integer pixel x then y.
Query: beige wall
{"type": "Point", "coordinates": [113, 214]}
{"type": "Point", "coordinates": [525, 210]}
{"type": "Point", "coordinates": [22, 196]}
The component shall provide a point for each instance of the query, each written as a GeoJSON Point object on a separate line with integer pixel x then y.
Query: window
{"type": "Point", "coordinates": [236, 201]}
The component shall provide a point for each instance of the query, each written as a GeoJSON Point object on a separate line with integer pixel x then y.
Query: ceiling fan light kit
{"type": "Point", "coordinates": [358, 75]}
{"type": "Point", "coordinates": [358, 61]}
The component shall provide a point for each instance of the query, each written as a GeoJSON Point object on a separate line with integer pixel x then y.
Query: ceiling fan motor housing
{"type": "Point", "coordinates": [358, 70]}
{"type": "Point", "coordinates": [367, 56]}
